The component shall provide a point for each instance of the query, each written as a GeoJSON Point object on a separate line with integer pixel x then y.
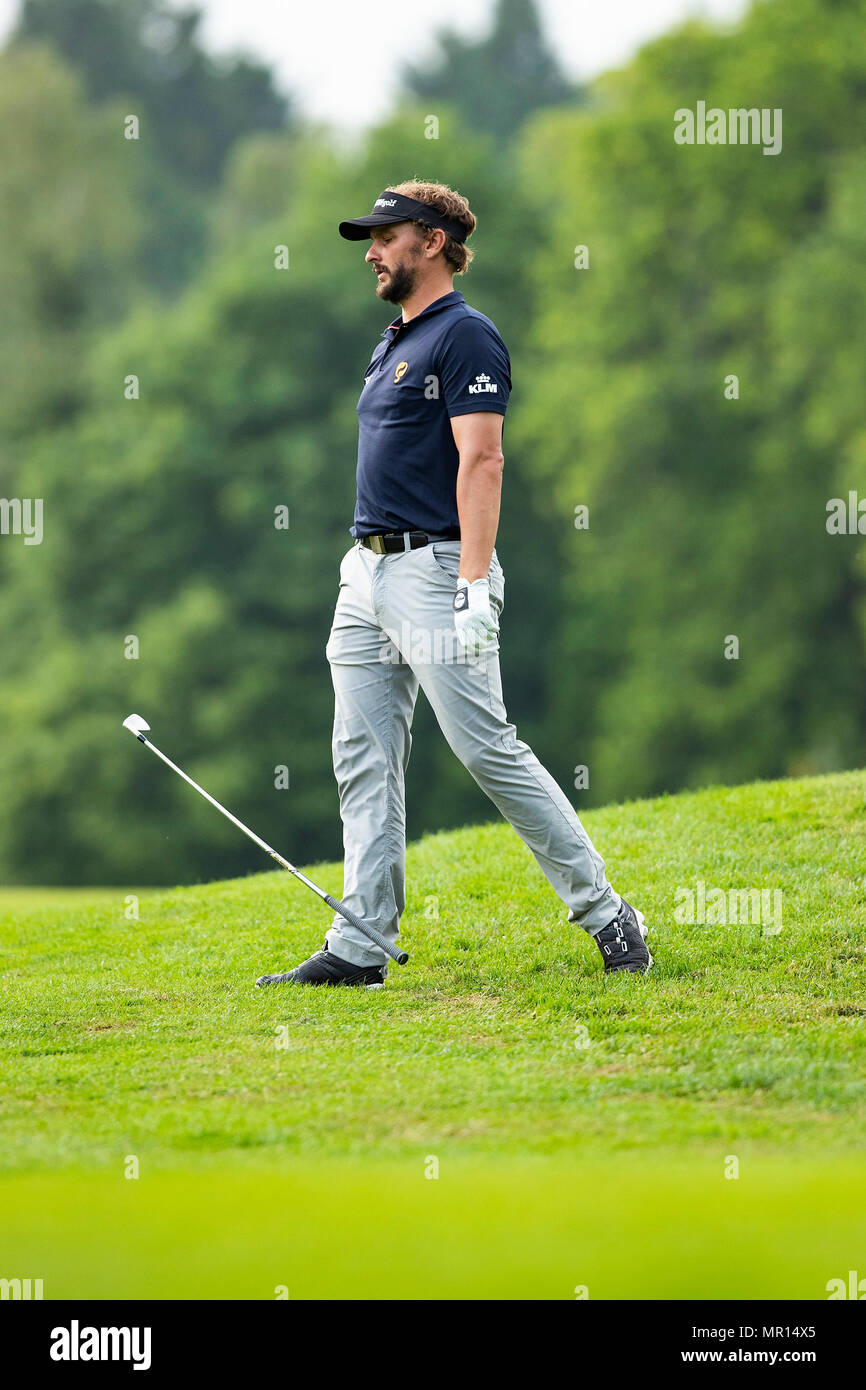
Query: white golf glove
{"type": "Point", "coordinates": [474, 618]}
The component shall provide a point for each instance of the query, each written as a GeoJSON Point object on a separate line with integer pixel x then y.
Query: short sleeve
{"type": "Point", "coordinates": [474, 368]}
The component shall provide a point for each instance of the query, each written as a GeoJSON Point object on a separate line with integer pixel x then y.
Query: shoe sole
{"type": "Point", "coordinates": [643, 931]}
{"type": "Point", "coordinates": [273, 984]}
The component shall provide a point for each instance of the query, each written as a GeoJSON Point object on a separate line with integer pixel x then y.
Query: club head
{"type": "Point", "coordinates": [135, 724]}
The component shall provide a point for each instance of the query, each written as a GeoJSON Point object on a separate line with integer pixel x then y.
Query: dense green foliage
{"type": "Point", "coordinates": [706, 514]}
{"type": "Point", "coordinates": [144, 58]}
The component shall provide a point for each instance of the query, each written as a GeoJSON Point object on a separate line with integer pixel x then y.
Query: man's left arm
{"type": "Point", "coordinates": [479, 486]}
{"type": "Point", "coordinates": [475, 373]}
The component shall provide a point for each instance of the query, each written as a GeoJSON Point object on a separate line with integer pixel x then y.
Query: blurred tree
{"type": "Point", "coordinates": [191, 108]}
{"type": "Point", "coordinates": [497, 81]}
{"type": "Point", "coordinates": [260, 180]}
{"type": "Point", "coordinates": [707, 512]}
{"type": "Point", "coordinates": [814, 449]}
{"type": "Point", "coordinates": [195, 105]}
{"type": "Point", "coordinates": [68, 238]}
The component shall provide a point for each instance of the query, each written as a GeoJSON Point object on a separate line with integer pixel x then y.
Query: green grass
{"type": "Point", "coordinates": [541, 1088]}
{"type": "Point", "coordinates": [514, 1229]}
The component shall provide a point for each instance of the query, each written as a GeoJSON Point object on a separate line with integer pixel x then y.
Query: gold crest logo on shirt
{"type": "Point", "coordinates": [402, 368]}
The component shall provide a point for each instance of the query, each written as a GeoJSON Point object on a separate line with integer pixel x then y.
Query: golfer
{"type": "Point", "coordinates": [421, 594]}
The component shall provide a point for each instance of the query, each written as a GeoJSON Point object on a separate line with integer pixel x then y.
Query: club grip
{"type": "Point", "coordinates": [372, 932]}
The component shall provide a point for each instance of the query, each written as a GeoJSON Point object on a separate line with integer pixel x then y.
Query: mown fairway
{"type": "Point", "coordinates": [582, 1127]}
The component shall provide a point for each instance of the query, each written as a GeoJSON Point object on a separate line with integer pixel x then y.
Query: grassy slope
{"type": "Point", "coordinates": [146, 1038]}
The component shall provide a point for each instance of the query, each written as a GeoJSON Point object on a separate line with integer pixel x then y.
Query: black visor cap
{"type": "Point", "coordinates": [396, 207]}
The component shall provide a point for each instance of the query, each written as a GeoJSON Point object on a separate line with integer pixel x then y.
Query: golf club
{"type": "Point", "coordinates": [137, 726]}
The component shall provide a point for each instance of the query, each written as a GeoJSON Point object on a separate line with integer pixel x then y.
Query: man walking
{"type": "Point", "coordinates": [421, 592]}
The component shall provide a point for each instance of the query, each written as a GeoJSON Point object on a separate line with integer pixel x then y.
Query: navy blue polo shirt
{"type": "Point", "coordinates": [449, 360]}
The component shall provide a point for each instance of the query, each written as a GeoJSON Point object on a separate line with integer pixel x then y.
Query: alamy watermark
{"type": "Point", "coordinates": [21, 1289]}
{"type": "Point", "coordinates": [846, 516]}
{"type": "Point", "coordinates": [77, 1343]}
{"type": "Point", "coordinates": [421, 645]}
{"type": "Point", "coordinates": [22, 516]}
{"type": "Point", "coordinates": [736, 126]}
{"type": "Point", "coordinates": [854, 1287]}
{"type": "Point", "coordinates": [707, 906]}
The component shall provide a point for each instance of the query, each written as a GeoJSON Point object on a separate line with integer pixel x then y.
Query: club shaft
{"type": "Point", "coordinates": [213, 801]}
{"type": "Point", "coordinates": [371, 932]}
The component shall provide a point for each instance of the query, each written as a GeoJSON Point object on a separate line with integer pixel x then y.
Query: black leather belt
{"type": "Point", "coordinates": [389, 542]}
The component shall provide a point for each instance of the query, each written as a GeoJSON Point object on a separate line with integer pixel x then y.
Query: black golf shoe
{"type": "Point", "coordinates": [324, 968]}
{"type": "Point", "coordinates": [622, 942]}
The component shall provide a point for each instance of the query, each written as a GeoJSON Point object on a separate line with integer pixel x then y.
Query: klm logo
{"type": "Point", "coordinates": [21, 1288]}
{"type": "Point", "coordinates": [482, 383]}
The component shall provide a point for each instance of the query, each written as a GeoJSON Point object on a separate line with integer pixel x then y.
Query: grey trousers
{"type": "Point", "coordinates": [393, 630]}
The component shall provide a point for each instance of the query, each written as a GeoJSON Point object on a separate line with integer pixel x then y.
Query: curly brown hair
{"type": "Point", "coordinates": [450, 204]}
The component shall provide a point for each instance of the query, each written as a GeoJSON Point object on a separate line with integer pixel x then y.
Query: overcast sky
{"type": "Point", "coordinates": [342, 58]}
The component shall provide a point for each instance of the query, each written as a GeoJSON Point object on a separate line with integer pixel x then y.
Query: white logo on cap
{"type": "Point", "coordinates": [385, 203]}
